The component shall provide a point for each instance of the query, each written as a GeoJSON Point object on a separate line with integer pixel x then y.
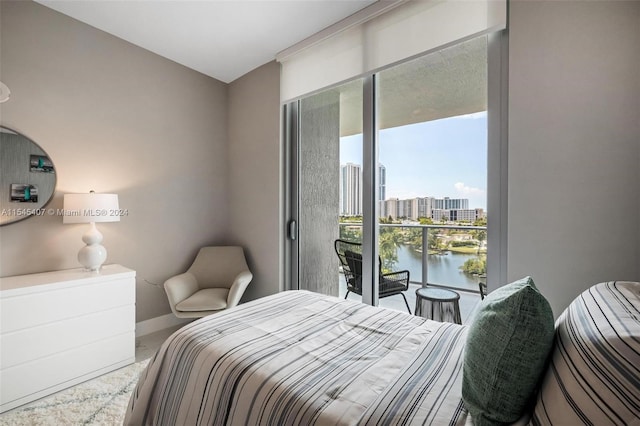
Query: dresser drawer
{"type": "Point", "coordinates": [60, 328]}
{"type": "Point", "coordinates": [32, 380]}
{"type": "Point", "coordinates": [38, 342]}
{"type": "Point", "coordinates": [35, 309]}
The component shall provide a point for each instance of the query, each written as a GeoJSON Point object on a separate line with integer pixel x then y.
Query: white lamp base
{"type": "Point", "coordinates": [93, 255]}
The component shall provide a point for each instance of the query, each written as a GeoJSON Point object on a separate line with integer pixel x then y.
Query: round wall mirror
{"type": "Point", "coordinates": [27, 177]}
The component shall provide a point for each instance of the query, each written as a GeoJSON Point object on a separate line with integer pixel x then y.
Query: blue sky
{"type": "Point", "coordinates": [440, 158]}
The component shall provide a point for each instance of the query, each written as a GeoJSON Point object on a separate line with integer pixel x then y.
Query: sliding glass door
{"type": "Point", "coordinates": [319, 196]}
{"type": "Point", "coordinates": [433, 166]}
{"type": "Point", "coordinates": [396, 162]}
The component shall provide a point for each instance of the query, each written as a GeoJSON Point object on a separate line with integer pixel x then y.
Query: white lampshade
{"type": "Point", "coordinates": [91, 208]}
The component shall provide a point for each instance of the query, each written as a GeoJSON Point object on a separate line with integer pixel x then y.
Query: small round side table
{"type": "Point", "coordinates": [438, 304]}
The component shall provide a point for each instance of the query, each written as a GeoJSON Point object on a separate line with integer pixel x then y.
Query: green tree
{"type": "Point", "coordinates": [480, 235]}
{"type": "Point", "coordinates": [350, 219]}
{"type": "Point", "coordinates": [351, 233]}
{"type": "Point", "coordinates": [388, 242]}
{"type": "Point", "coordinates": [435, 243]}
{"type": "Point", "coordinates": [475, 266]}
{"type": "Point", "coordinates": [480, 222]}
{"type": "Point", "coordinates": [385, 220]}
{"type": "Point", "coordinates": [413, 237]}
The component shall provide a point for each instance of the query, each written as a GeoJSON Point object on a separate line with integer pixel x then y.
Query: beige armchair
{"type": "Point", "coordinates": [215, 281]}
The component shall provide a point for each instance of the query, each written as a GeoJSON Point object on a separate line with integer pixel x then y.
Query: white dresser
{"type": "Point", "coordinates": [60, 328]}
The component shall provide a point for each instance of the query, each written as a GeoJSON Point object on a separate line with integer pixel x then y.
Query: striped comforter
{"type": "Point", "coordinates": [299, 358]}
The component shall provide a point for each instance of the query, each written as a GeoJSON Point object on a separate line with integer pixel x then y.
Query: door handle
{"type": "Point", "coordinates": [293, 229]}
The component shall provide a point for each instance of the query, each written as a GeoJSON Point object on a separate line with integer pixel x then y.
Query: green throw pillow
{"type": "Point", "coordinates": [506, 352]}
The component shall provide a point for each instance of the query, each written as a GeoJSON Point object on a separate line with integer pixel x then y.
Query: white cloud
{"type": "Point", "coordinates": [468, 191]}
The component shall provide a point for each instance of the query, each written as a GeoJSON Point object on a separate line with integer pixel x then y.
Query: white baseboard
{"type": "Point", "coordinates": [159, 323]}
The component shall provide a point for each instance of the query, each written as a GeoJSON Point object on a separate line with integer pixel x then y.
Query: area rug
{"type": "Point", "coordinates": [100, 401]}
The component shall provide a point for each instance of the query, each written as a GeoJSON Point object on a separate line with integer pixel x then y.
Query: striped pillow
{"type": "Point", "coordinates": [594, 376]}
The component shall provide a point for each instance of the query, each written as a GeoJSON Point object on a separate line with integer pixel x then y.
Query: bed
{"type": "Point", "coordinates": [300, 358]}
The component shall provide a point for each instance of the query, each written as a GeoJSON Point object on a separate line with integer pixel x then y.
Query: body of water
{"type": "Point", "coordinates": [443, 269]}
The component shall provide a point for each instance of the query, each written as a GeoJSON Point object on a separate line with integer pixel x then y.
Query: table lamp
{"type": "Point", "coordinates": [91, 208]}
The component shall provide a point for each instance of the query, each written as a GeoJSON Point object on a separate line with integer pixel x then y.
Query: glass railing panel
{"type": "Point", "coordinates": [455, 255]}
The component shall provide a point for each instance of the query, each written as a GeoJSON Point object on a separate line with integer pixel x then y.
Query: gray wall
{"type": "Point", "coordinates": [196, 161]}
{"type": "Point", "coordinates": [574, 144]}
{"type": "Point", "coordinates": [115, 118]}
{"type": "Point", "coordinates": [255, 175]}
{"type": "Point", "coordinates": [319, 193]}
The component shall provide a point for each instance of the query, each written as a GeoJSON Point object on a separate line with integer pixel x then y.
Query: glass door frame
{"type": "Point", "coordinates": [291, 198]}
{"type": "Point", "coordinates": [370, 179]}
{"type": "Point", "coordinates": [370, 194]}
{"type": "Point", "coordinates": [497, 176]}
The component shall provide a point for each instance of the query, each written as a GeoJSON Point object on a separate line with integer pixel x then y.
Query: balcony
{"type": "Point", "coordinates": [428, 252]}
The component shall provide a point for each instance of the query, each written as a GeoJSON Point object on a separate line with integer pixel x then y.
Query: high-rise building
{"type": "Point", "coordinates": [405, 210]}
{"type": "Point", "coordinates": [391, 208]}
{"type": "Point", "coordinates": [351, 190]}
{"type": "Point", "coordinates": [423, 207]}
{"type": "Point", "coordinates": [429, 207]}
{"type": "Point", "coordinates": [415, 208]}
{"type": "Point", "coordinates": [457, 214]}
{"type": "Point", "coordinates": [447, 203]}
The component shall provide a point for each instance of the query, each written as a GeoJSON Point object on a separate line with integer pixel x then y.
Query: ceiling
{"type": "Point", "coordinates": [226, 39]}
{"type": "Point", "coordinates": [449, 82]}
{"type": "Point", "coordinates": [223, 39]}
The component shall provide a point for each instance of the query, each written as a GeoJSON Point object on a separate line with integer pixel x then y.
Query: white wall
{"type": "Point", "coordinates": [574, 144]}
{"type": "Point", "coordinates": [255, 175]}
{"type": "Point", "coordinates": [114, 118]}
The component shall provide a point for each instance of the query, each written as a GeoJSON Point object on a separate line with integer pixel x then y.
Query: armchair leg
{"type": "Point", "coordinates": [346, 295]}
{"type": "Point", "coordinates": [406, 303]}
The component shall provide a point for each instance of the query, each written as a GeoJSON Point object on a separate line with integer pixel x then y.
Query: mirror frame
{"type": "Point", "coordinates": [23, 211]}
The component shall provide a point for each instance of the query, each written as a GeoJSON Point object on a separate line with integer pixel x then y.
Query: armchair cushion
{"type": "Point", "coordinates": [217, 267]}
{"type": "Point", "coordinates": [238, 287]}
{"type": "Point", "coordinates": [216, 280]}
{"type": "Point", "coordinates": [206, 299]}
{"type": "Point", "coordinates": [180, 287]}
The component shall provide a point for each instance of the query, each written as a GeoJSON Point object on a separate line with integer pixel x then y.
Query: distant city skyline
{"type": "Point", "coordinates": [439, 158]}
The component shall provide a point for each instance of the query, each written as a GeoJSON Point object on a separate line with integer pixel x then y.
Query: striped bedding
{"type": "Point", "coordinates": [299, 358]}
{"type": "Point", "coordinates": [594, 376]}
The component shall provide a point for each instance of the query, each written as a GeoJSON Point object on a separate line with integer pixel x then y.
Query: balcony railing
{"type": "Point", "coordinates": [425, 230]}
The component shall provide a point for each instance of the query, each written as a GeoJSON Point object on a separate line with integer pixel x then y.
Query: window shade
{"type": "Point", "coordinates": [410, 29]}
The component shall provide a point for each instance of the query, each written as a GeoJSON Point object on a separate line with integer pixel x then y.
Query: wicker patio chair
{"type": "Point", "coordinates": [390, 284]}
{"type": "Point", "coordinates": [483, 290]}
